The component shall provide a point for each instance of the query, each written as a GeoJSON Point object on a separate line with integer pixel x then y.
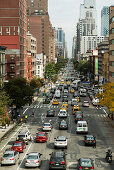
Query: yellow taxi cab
{"type": "Point", "coordinates": [65, 104]}
{"type": "Point", "coordinates": [68, 83]}
{"type": "Point", "coordinates": [55, 102]}
{"type": "Point", "coordinates": [63, 107]}
{"type": "Point", "coordinates": [78, 99]}
{"type": "Point", "coordinates": [62, 81]}
{"type": "Point", "coordinates": [75, 108]}
{"type": "Point", "coordinates": [72, 90]}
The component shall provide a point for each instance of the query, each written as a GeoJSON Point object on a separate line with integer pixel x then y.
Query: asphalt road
{"type": "Point", "coordinates": [98, 126]}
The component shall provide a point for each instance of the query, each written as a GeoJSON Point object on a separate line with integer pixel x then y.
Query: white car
{"type": "Point", "coordinates": [33, 159]}
{"type": "Point", "coordinates": [85, 104]}
{"type": "Point", "coordinates": [95, 101]}
{"type": "Point", "coordinates": [62, 113]}
{"type": "Point", "coordinates": [47, 126]}
{"type": "Point", "coordinates": [60, 142]}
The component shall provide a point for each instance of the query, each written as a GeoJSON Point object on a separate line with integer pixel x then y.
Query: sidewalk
{"type": "Point", "coordinates": [111, 122]}
{"type": "Point", "coordinates": [4, 132]}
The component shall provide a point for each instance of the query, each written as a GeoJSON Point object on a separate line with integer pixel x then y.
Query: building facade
{"type": "Point", "coordinates": [2, 66]}
{"type": "Point", "coordinates": [111, 44]}
{"type": "Point", "coordinates": [32, 48]}
{"type": "Point", "coordinates": [74, 47]}
{"type": "Point", "coordinates": [13, 29]}
{"type": "Point", "coordinates": [40, 66]}
{"type": "Point", "coordinates": [105, 21]}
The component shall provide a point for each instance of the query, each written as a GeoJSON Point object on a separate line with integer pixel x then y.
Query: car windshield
{"type": "Point", "coordinates": [84, 125]}
{"type": "Point", "coordinates": [86, 162]}
{"type": "Point", "coordinates": [21, 136]}
{"type": "Point", "coordinates": [78, 116]}
{"type": "Point", "coordinates": [8, 155]}
{"type": "Point", "coordinates": [75, 109]}
{"type": "Point", "coordinates": [57, 159]}
{"type": "Point", "coordinates": [40, 134]}
{"type": "Point", "coordinates": [90, 138]}
{"type": "Point", "coordinates": [79, 125]}
{"type": "Point", "coordinates": [17, 144]}
{"type": "Point", "coordinates": [85, 101]}
{"type": "Point", "coordinates": [32, 157]}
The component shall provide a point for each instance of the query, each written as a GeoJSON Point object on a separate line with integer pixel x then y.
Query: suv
{"type": "Point", "coordinates": [25, 135]}
{"type": "Point", "coordinates": [57, 160]}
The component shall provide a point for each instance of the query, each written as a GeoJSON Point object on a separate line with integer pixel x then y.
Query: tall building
{"type": "Point", "coordinates": [105, 21]}
{"type": "Point", "coordinates": [87, 22]}
{"type": "Point", "coordinates": [13, 29]}
{"type": "Point", "coordinates": [111, 44]}
{"type": "Point", "coordinates": [74, 47]}
{"type": "Point", "coordinates": [37, 6]}
{"type": "Point", "coordinates": [61, 36]}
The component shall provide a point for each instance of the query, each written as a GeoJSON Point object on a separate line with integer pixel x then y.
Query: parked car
{"type": "Point", "coordinates": [90, 140]}
{"type": "Point", "coordinates": [18, 146]}
{"type": "Point", "coordinates": [9, 157]}
{"type": "Point", "coordinates": [60, 142]}
{"type": "Point", "coordinates": [33, 159]}
{"type": "Point", "coordinates": [41, 137]}
{"type": "Point", "coordinates": [85, 163]}
{"type": "Point", "coordinates": [47, 126]}
{"type": "Point", "coordinates": [63, 125]}
{"type": "Point", "coordinates": [57, 160]}
{"type": "Point", "coordinates": [50, 113]}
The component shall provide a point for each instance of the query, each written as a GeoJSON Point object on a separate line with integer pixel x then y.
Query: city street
{"type": "Point", "coordinates": [98, 126]}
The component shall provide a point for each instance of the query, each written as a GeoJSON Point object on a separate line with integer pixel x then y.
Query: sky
{"type": "Point", "coordinates": [65, 14]}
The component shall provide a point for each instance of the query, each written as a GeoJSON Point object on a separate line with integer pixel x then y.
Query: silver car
{"type": "Point", "coordinates": [60, 142]}
{"type": "Point", "coordinates": [62, 113]}
{"type": "Point", "coordinates": [47, 126]}
{"type": "Point", "coordinates": [85, 104]}
{"type": "Point", "coordinates": [33, 159]}
{"type": "Point", "coordinates": [9, 158]}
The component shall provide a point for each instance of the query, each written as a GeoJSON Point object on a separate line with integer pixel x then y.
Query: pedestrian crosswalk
{"type": "Point", "coordinates": [44, 106]}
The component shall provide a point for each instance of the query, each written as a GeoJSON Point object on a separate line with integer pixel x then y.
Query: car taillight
{"type": "Point", "coordinates": [51, 162]}
{"type": "Point", "coordinates": [81, 118]}
{"type": "Point", "coordinates": [50, 127]}
{"type": "Point", "coordinates": [94, 141]}
{"type": "Point", "coordinates": [37, 161]}
{"type": "Point", "coordinates": [63, 162]}
{"type": "Point", "coordinates": [76, 119]}
{"type": "Point", "coordinates": [85, 140]}
{"type": "Point", "coordinates": [92, 167]}
{"type": "Point", "coordinates": [26, 161]}
{"type": "Point", "coordinates": [80, 167]}
{"type": "Point", "coordinates": [12, 159]}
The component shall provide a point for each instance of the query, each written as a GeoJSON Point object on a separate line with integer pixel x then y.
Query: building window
{"type": "Point", "coordinates": [113, 41]}
{"type": "Point", "coordinates": [113, 52]}
{"type": "Point", "coordinates": [112, 30]}
{"type": "Point", "coordinates": [112, 63]}
{"type": "Point", "coordinates": [112, 75]}
{"type": "Point", "coordinates": [112, 19]}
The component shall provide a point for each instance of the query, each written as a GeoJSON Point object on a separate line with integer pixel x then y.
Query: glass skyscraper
{"type": "Point", "coordinates": [105, 21]}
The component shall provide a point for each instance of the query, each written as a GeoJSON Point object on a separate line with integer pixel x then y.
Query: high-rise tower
{"type": "Point", "coordinates": [105, 21]}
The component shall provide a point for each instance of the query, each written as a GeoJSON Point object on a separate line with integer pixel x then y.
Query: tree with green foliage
{"type": "Point", "coordinates": [54, 79]}
{"type": "Point", "coordinates": [4, 102]}
{"type": "Point", "coordinates": [20, 91]}
{"type": "Point", "coordinates": [36, 82]}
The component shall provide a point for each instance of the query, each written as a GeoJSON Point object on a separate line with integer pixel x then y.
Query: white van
{"type": "Point", "coordinates": [82, 127]}
{"type": "Point", "coordinates": [57, 94]}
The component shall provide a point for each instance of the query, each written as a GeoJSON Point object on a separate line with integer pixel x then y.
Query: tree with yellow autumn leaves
{"type": "Point", "coordinates": [107, 97]}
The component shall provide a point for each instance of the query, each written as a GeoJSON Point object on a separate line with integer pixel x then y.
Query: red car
{"type": "Point", "coordinates": [41, 137]}
{"type": "Point", "coordinates": [18, 146]}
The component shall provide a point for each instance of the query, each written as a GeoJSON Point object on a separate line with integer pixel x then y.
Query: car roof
{"type": "Point", "coordinates": [82, 122]}
{"type": "Point", "coordinates": [41, 132]}
{"type": "Point", "coordinates": [58, 154]}
{"type": "Point", "coordinates": [23, 132]}
{"type": "Point", "coordinates": [18, 141]}
{"type": "Point", "coordinates": [89, 136]}
{"type": "Point", "coordinates": [47, 123]}
{"type": "Point", "coordinates": [6, 152]}
{"type": "Point", "coordinates": [33, 153]}
{"type": "Point", "coordinates": [82, 159]}
{"type": "Point", "coordinates": [61, 138]}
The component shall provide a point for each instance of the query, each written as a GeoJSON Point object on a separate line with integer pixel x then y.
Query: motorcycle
{"type": "Point", "coordinates": [109, 156]}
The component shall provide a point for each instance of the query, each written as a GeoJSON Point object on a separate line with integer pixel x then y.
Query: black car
{"type": "Point", "coordinates": [50, 113]}
{"type": "Point", "coordinates": [57, 160]}
{"type": "Point", "coordinates": [63, 125]}
{"type": "Point", "coordinates": [46, 101]}
{"type": "Point", "coordinates": [78, 117]}
{"type": "Point", "coordinates": [85, 164]}
{"type": "Point", "coordinates": [65, 100]}
{"type": "Point", "coordinates": [90, 140]}
{"type": "Point", "coordinates": [52, 90]}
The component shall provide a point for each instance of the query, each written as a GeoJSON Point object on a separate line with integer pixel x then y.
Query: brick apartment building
{"type": "Point", "coordinates": [111, 44]}
{"type": "Point", "coordinates": [39, 25]}
{"type": "Point", "coordinates": [13, 29]}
